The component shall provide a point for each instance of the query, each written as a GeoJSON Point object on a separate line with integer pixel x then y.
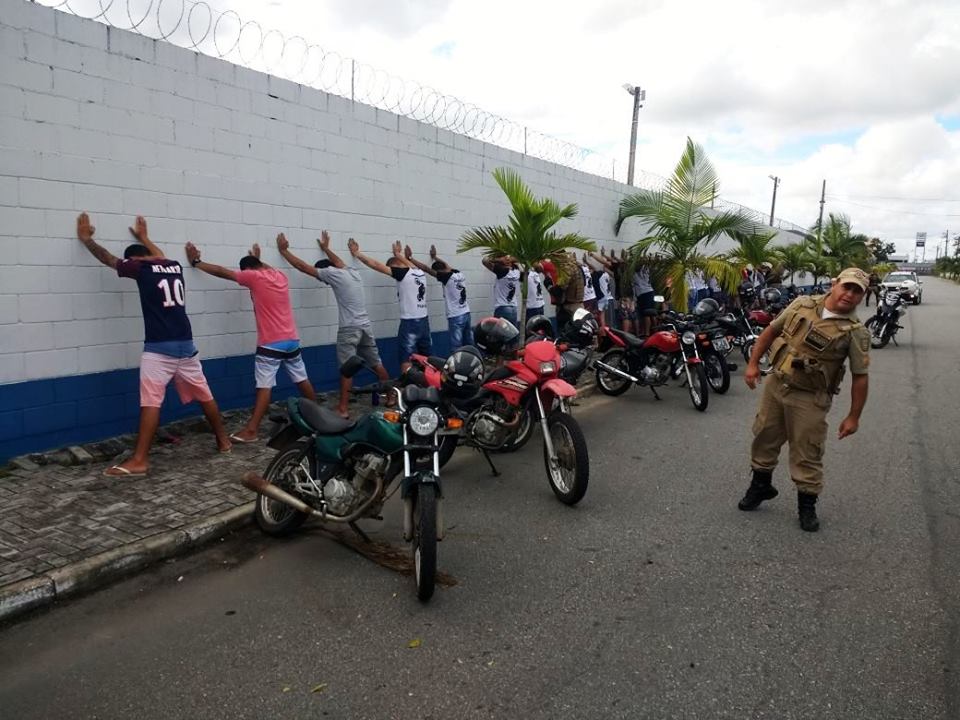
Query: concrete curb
{"type": "Point", "coordinates": [90, 573]}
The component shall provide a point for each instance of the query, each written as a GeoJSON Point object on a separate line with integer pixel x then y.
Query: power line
{"type": "Point", "coordinates": [893, 197]}
{"type": "Point", "coordinates": [893, 210]}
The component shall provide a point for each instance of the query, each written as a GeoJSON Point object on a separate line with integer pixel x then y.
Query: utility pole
{"type": "Point", "coordinates": [773, 205]}
{"type": "Point", "coordinates": [638, 97]}
{"type": "Point", "coordinates": [823, 199]}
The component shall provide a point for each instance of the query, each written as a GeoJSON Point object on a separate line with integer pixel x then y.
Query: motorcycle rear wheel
{"type": "Point", "coordinates": [718, 374]}
{"type": "Point", "coordinates": [569, 479]}
{"type": "Point", "coordinates": [276, 518]}
{"type": "Point", "coordinates": [765, 367]}
{"type": "Point", "coordinates": [699, 395]}
{"type": "Point", "coordinates": [609, 383]}
{"type": "Point", "coordinates": [523, 434]}
{"type": "Point", "coordinates": [448, 446]}
{"type": "Point", "coordinates": [425, 541]}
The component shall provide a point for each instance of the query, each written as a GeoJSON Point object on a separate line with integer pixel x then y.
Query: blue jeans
{"type": "Point", "coordinates": [414, 336]}
{"type": "Point", "coordinates": [534, 312]}
{"type": "Point", "coordinates": [508, 312]}
{"type": "Point", "coordinates": [461, 332]}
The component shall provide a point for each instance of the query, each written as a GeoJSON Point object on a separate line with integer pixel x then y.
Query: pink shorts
{"type": "Point", "coordinates": [157, 370]}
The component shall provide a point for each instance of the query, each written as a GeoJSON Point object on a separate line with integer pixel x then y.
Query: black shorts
{"type": "Point", "coordinates": [645, 302]}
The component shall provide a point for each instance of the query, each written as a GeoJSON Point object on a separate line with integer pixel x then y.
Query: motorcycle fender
{"type": "Point", "coordinates": [694, 361]}
{"type": "Point", "coordinates": [560, 388]}
{"type": "Point", "coordinates": [422, 477]}
{"type": "Point", "coordinates": [287, 435]}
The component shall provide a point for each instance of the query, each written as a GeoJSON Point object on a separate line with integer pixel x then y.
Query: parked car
{"type": "Point", "coordinates": [906, 283]}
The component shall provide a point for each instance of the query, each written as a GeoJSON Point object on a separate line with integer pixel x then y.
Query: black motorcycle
{"type": "Point", "coordinates": [883, 326]}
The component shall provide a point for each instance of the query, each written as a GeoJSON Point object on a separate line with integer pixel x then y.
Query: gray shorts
{"type": "Point", "coordinates": [357, 341]}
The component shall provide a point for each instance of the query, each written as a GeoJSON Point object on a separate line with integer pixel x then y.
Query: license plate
{"type": "Point", "coordinates": [721, 344]}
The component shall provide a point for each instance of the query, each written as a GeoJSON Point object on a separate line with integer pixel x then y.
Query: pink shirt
{"type": "Point", "coordinates": [270, 293]}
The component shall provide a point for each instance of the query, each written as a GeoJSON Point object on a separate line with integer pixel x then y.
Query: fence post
{"type": "Point", "coordinates": [524, 139]}
{"type": "Point", "coordinates": [353, 72]}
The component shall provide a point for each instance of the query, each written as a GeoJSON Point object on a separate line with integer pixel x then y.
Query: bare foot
{"type": "Point", "coordinates": [345, 414]}
{"type": "Point", "coordinates": [244, 436]}
{"type": "Point", "coordinates": [224, 445]}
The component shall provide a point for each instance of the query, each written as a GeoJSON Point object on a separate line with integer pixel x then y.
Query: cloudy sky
{"type": "Point", "coordinates": [862, 93]}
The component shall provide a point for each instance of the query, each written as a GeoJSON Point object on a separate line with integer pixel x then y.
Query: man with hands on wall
{"type": "Point", "coordinates": [169, 352]}
{"type": "Point", "coordinates": [278, 342]}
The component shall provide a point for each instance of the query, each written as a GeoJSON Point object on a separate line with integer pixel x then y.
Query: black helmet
{"type": "Point", "coordinates": [462, 373]}
{"type": "Point", "coordinates": [494, 335]}
{"type": "Point", "coordinates": [747, 290]}
{"type": "Point", "coordinates": [540, 326]}
{"type": "Point", "coordinates": [771, 295]}
{"type": "Point", "coordinates": [581, 331]}
{"type": "Point", "coordinates": [708, 307]}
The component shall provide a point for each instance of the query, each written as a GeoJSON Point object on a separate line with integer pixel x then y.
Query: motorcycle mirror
{"type": "Point", "coordinates": [351, 367]}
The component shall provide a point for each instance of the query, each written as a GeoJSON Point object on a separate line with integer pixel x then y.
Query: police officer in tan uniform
{"type": "Point", "coordinates": [808, 343]}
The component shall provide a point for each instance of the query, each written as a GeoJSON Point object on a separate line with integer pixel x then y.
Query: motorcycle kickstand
{"type": "Point", "coordinates": [361, 533]}
{"type": "Point", "coordinates": [894, 338]}
{"type": "Point", "coordinates": [654, 391]}
{"type": "Point", "coordinates": [493, 468]}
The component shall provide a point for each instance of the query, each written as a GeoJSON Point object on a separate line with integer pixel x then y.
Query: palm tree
{"type": "Point", "coordinates": [754, 250]}
{"type": "Point", "coordinates": [529, 237]}
{"type": "Point", "coordinates": [681, 225]}
{"type": "Point", "coordinates": [839, 243]}
{"type": "Point", "coordinates": [794, 258]}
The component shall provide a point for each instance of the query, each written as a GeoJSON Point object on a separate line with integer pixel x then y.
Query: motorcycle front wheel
{"type": "Point", "coordinates": [698, 387]}
{"type": "Point", "coordinates": [718, 374]}
{"type": "Point", "coordinates": [570, 475]}
{"type": "Point", "coordinates": [610, 383]}
{"type": "Point", "coordinates": [277, 518]}
{"type": "Point", "coordinates": [425, 541]}
{"type": "Point", "coordinates": [878, 337]}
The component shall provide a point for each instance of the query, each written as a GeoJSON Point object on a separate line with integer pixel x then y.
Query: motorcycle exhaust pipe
{"type": "Point", "coordinates": [615, 371]}
{"type": "Point", "coordinates": [261, 486]}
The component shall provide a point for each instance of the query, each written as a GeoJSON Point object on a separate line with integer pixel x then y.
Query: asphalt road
{"type": "Point", "coordinates": [654, 598]}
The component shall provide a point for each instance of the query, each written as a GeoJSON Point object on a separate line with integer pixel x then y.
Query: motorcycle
{"type": "Point", "coordinates": [651, 362]}
{"type": "Point", "coordinates": [343, 471]}
{"type": "Point", "coordinates": [884, 324]}
{"type": "Point", "coordinates": [526, 386]}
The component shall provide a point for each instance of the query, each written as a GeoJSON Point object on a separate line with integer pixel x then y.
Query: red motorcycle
{"type": "Point", "coordinates": [653, 361]}
{"type": "Point", "coordinates": [527, 386]}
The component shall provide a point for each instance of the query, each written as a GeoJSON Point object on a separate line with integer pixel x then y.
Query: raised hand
{"type": "Point", "coordinates": [353, 246]}
{"type": "Point", "coordinates": [433, 252]}
{"type": "Point", "coordinates": [84, 229]}
{"type": "Point", "coordinates": [398, 249]}
{"type": "Point", "coordinates": [407, 252]}
{"type": "Point", "coordinates": [193, 253]}
{"type": "Point", "coordinates": [139, 229]}
{"type": "Point", "coordinates": [255, 250]}
{"type": "Point", "coordinates": [324, 241]}
{"type": "Point", "coordinates": [282, 243]}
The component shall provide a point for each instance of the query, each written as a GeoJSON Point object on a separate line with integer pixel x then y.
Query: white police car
{"type": "Point", "coordinates": [906, 283]}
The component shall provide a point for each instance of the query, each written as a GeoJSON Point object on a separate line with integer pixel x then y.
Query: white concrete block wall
{"type": "Point", "coordinates": [98, 119]}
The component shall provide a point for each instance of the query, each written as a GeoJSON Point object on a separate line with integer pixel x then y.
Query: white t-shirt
{"type": "Point", "coordinates": [454, 293]}
{"type": "Point", "coordinates": [411, 292]}
{"type": "Point", "coordinates": [589, 292]}
{"type": "Point", "coordinates": [506, 289]}
{"type": "Point", "coordinates": [605, 286]}
{"type": "Point", "coordinates": [536, 293]}
{"type": "Point", "coordinates": [641, 282]}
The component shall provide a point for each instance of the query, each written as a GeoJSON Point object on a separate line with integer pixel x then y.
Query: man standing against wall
{"type": "Point", "coordinates": [355, 334]}
{"type": "Point", "coordinates": [414, 331]}
{"type": "Point", "coordinates": [570, 297]}
{"type": "Point", "coordinates": [537, 288]}
{"type": "Point", "coordinates": [168, 349]}
{"type": "Point", "coordinates": [278, 342]}
{"type": "Point", "coordinates": [454, 295]}
{"type": "Point", "coordinates": [506, 287]}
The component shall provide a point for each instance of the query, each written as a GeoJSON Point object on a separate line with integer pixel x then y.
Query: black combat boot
{"type": "Point", "coordinates": [807, 510]}
{"type": "Point", "coordinates": [761, 488]}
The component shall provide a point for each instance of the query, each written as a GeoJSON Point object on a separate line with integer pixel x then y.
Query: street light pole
{"type": "Point", "coordinates": [773, 205]}
{"type": "Point", "coordinates": [638, 97]}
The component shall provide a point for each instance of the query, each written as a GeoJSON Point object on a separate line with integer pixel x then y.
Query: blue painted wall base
{"type": "Point", "coordinates": [45, 414]}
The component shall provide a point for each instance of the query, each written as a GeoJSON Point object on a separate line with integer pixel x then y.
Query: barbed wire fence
{"type": "Point", "coordinates": [196, 25]}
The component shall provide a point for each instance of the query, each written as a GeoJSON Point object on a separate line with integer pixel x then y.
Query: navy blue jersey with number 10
{"type": "Point", "coordinates": [162, 297]}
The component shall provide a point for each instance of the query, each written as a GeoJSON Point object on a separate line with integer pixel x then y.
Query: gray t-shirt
{"type": "Point", "coordinates": [348, 289]}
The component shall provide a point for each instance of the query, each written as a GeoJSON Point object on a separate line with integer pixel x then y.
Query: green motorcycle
{"type": "Point", "coordinates": [343, 471]}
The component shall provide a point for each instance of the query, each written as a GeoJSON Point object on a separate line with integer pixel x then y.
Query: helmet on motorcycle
{"type": "Point", "coordinates": [771, 295]}
{"type": "Point", "coordinates": [708, 307]}
{"type": "Point", "coordinates": [462, 373]}
{"type": "Point", "coordinates": [747, 290]}
{"type": "Point", "coordinates": [540, 326]}
{"type": "Point", "coordinates": [581, 331]}
{"type": "Point", "coordinates": [494, 335]}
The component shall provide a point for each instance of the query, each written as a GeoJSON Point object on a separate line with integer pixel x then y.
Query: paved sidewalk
{"type": "Point", "coordinates": [68, 529]}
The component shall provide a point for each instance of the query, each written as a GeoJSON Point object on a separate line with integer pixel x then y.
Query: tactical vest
{"type": "Point", "coordinates": [809, 353]}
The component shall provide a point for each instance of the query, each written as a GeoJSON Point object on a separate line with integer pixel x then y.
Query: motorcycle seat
{"type": "Point", "coordinates": [436, 361]}
{"type": "Point", "coordinates": [629, 338]}
{"type": "Point", "coordinates": [322, 420]}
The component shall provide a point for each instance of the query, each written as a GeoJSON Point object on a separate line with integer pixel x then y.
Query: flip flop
{"type": "Point", "coordinates": [119, 471]}
{"type": "Point", "coordinates": [241, 441]}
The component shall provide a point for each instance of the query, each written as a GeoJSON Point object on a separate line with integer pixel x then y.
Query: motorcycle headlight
{"type": "Point", "coordinates": [547, 368]}
{"type": "Point", "coordinates": [423, 421]}
{"type": "Point", "coordinates": [689, 337]}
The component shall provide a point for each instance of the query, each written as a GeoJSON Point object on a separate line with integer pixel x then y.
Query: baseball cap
{"type": "Point", "coordinates": [855, 276]}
